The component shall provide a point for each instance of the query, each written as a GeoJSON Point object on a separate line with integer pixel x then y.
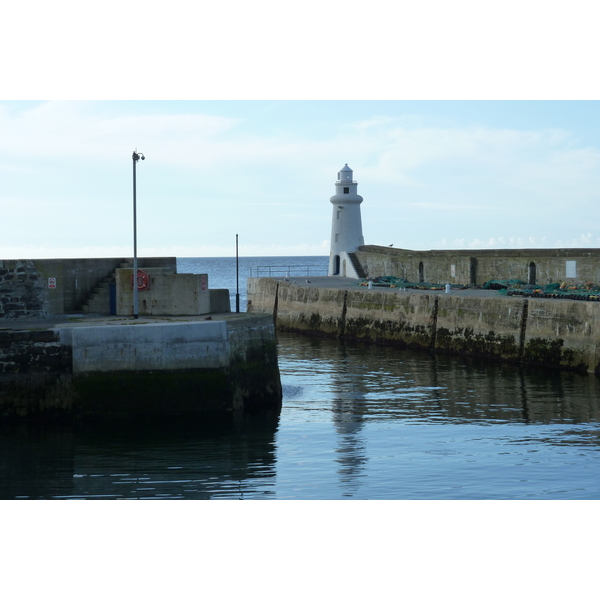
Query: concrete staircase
{"type": "Point", "coordinates": [356, 264]}
{"type": "Point", "coordinates": [98, 300]}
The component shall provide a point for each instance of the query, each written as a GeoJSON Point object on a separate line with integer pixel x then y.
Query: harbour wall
{"type": "Point", "coordinates": [532, 265]}
{"type": "Point", "coordinates": [141, 370]}
{"type": "Point", "coordinates": [38, 287]}
{"type": "Point", "coordinates": [552, 333]}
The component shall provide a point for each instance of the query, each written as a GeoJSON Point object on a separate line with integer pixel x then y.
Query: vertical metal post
{"type": "Point", "coordinates": [237, 277]}
{"type": "Point", "coordinates": [136, 156]}
{"type": "Point", "coordinates": [135, 269]}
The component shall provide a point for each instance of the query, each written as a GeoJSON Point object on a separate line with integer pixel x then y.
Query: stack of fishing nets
{"type": "Point", "coordinates": [568, 291]}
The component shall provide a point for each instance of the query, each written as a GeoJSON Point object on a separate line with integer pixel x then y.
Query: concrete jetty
{"type": "Point", "coordinates": [88, 367]}
{"type": "Point", "coordinates": [529, 331]}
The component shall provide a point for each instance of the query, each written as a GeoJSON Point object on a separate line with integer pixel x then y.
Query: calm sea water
{"type": "Point", "coordinates": [223, 272]}
{"type": "Point", "coordinates": [358, 422]}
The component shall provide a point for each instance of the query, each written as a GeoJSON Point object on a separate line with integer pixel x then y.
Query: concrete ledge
{"type": "Point", "coordinates": [149, 347]}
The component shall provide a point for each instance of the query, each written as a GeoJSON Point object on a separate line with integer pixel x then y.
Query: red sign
{"type": "Point", "coordinates": [143, 281]}
{"type": "Point", "coordinates": [51, 283]}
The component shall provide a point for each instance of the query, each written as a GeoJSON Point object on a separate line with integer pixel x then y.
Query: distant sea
{"type": "Point", "coordinates": [222, 271]}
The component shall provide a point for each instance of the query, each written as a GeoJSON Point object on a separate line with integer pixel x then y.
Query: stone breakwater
{"type": "Point", "coordinates": [22, 292]}
{"type": "Point", "coordinates": [106, 369]}
{"type": "Point", "coordinates": [552, 333]}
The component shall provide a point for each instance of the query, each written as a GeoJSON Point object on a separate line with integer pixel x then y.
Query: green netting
{"type": "Point", "coordinates": [498, 284]}
{"type": "Point", "coordinates": [586, 291]}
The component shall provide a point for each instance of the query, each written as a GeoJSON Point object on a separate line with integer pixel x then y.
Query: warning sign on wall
{"type": "Point", "coordinates": [51, 283]}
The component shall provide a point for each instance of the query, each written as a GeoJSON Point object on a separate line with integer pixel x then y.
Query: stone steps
{"type": "Point", "coordinates": [98, 300]}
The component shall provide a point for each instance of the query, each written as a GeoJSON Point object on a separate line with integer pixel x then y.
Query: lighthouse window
{"type": "Point", "coordinates": [346, 190]}
{"type": "Point", "coordinates": [339, 212]}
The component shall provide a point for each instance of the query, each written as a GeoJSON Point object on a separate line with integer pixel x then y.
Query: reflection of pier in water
{"type": "Point", "coordinates": [374, 383]}
{"type": "Point", "coordinates": [172, 459]}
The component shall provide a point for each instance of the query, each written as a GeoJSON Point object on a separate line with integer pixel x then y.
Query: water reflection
{"type": "Point", "coordinates": [411, 425]}
{"type": "Point", "coordinates": [347, 415]}
{"type": "Point", "coordinates": [357, 422]}
{"type": "Point", "coordinates": [172, 459]}
{"type": "Point", "coordinates": [375, 383]}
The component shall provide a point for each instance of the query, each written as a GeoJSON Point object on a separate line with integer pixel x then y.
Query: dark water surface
{"type": "Point", "coordinates": [358, 422]}
{"type": "Point", "coordinates": [361, 422]}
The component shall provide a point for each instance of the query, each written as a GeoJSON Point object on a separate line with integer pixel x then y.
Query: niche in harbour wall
{"type": "Point", "coordinates": [531, 273]}
{"type": "Point", "coordinates": [473, 270]}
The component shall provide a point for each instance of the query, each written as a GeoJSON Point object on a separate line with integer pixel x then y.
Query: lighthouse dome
{"type": "Point", "coordinates": [345, 173]}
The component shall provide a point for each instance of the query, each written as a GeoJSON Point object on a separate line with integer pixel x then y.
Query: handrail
{"type": "Point", "coordinates": [287, 271]}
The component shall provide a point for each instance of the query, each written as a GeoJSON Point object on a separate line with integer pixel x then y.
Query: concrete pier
{"type": "Point", "coordinates": [544, 332]}
{"type": "Point", "coordinates": [109, 368]}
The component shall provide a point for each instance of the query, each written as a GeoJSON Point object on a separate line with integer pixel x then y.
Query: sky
{"type": "Point", "coordinates": [452, 148]}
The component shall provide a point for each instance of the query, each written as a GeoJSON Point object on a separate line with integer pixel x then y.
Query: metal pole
{"type": "Point", "coordinates": [135, 156]}
{"type": "Point", "coordinates": [135, 268]}
{"type": "Point", "coordinates": [237, 277]}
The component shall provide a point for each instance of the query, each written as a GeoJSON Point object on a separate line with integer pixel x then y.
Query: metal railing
{"type": "Point", "coordinates": [290, 271]}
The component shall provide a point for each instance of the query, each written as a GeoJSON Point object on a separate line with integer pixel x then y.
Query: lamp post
{"type": "Point", "coordinates": [136, 156]}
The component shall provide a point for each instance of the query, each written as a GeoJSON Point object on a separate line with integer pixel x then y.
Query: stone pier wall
{"type": "Point", "coordinates": [39, 287]}
{"type": "Point", "coordinates": [555, 333]}
{"type": "Point", "coordinates": [141, 370]}
{"type": "Point", "coordinates": [35, 374]}
{"type": "Point", "coordinates": [22, 292]}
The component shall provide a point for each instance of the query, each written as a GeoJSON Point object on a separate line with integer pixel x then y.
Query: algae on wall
{"type": "Point", "coordinates": [554, 333]}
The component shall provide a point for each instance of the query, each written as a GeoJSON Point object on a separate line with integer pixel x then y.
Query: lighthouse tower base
{"type": "Point", "coordinates": [345, 264]}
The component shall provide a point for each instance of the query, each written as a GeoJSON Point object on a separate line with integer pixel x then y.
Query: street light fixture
{"type": "Point", "coordinates": [136, 156]}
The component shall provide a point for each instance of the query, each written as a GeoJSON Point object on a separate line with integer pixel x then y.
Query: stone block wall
{"type": "Point", "coordinates": [22, 291]}
{"type": "Point", "coordinates": [578, 265]}
{"type": "Point", "coordinates": [544, 332]}
{"type": "Point", "coordinates": [35, 375]}
{"type": "Point", "coordinates": [33, 352]}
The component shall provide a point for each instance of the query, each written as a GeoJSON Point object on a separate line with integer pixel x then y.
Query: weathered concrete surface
{"type": "Point", "coordinates": [402, 318]}
{"type": "Point", "coordinates": [113, 368]}
{"type": "Point", "coordinates": [149, 347]}
{"type": "Point", "coordinates": [169, 294]}
{"type": "Point", "coordinates": [219, 301]}
{"type": "Point", "coordinates": [486, 327]}
{"type": "Point", "coordinates": [309, 309]}
{"type": "Point", "coordinates": [563, 333]}
{"type": "Point", "coordinates": [554, 333]}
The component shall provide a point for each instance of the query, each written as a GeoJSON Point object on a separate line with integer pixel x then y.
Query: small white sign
{"type": "Point", "coordinates": [51, 283]}
{"type": "Point", "coordinates": [452, 270]}
{"type": "Point", "coordinates": [571, 268]}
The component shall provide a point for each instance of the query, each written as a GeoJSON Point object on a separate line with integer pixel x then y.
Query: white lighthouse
{"type": "Point", "coordinates": [346, 225]}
